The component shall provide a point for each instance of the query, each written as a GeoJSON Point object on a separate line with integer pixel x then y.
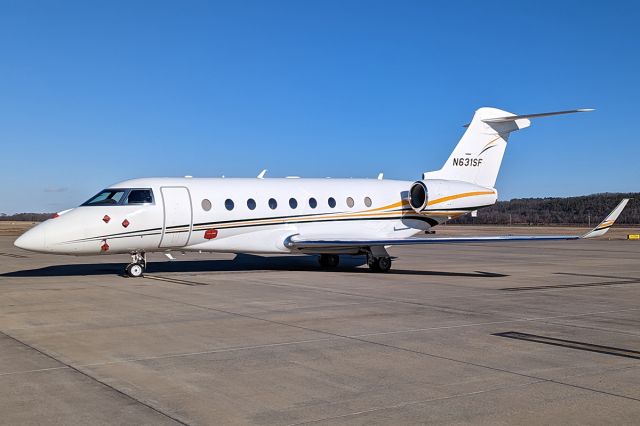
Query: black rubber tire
{"type": "Point", "coordinates": [134, 270]}
{"type": "Point", "coordinates": [380, 264]}
{"type": "Point", "coordinates": [329, 260]}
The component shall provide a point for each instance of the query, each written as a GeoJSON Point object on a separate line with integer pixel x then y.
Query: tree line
{"type": "Point", "coordinates": [26, 217]}
{"type": "Point", "coordinates": [583, 210]}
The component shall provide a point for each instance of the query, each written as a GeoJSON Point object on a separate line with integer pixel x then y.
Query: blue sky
{"type": "Point", "coordinates": [96, 92]}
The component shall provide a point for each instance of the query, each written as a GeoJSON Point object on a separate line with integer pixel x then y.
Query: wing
{"type": "Point", "coordinates": [299, 242]}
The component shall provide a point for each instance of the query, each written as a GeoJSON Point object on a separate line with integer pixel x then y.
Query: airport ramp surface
{"type": "Point", "coordinates": [513, 333]}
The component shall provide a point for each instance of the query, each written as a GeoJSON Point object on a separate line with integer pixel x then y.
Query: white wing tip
{"type": "Point", "coordinates": [603, 227]}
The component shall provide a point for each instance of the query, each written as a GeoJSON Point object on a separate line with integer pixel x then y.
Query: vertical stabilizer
{"type": "Point", "coordinates": [478, 155]}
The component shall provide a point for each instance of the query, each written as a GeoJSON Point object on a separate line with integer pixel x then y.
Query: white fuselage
{"type": "Point", "coordinates": [239, 215]}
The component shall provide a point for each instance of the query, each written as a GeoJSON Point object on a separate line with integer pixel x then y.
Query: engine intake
{"type": "Point", "coordinates": [418, 196]}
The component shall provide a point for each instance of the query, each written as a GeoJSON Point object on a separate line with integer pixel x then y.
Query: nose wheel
{"type": "Point", "coordinates": [137, 266]}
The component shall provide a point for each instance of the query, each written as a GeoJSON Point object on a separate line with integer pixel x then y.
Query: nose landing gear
{"type": "Point", "coordinates": [137, 266]}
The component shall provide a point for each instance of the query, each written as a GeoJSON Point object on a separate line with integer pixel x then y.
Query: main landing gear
{"type": "Point", "coordinates": [137, 266]}
{"type": "Point", "coordinates": [379, 264]}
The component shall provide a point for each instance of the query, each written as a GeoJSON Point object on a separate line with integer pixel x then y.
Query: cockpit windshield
{"type": "Point", "coordinates": [106, 197]}
{"type": "Point", "coordinates": [121, 197]}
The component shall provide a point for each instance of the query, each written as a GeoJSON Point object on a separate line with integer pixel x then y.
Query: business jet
{"type": "Point", "coordinates": [328, 217]}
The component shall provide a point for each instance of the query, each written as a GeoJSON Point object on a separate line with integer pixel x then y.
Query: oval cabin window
{"type": "Point", "coordinates": [206, 205]}
{"type": "Point", "coordinates": [350, 202]}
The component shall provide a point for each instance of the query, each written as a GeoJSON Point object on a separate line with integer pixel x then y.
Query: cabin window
{"type": "Point", "coordinates": [332, 202]}
{"type": "Point", "coordinates": [139, 196]}
{"type": "Point", "coordinates": [313, 203]}
{"type": "Point", "coordinates": [293, 203]}
{"type": "Point", "coordinates": [367, 201]}
{"type": "Point", "coordinates": [206, 205]}
{"type": "Point", "coordinates": [350, 202]}
{"type": "Point", "coordinates": [229, 204]}
{"type": "Point", "coordinates": [106, 197]}
{"type": "Point", "coordinates": [273, 203]}
{"type": "Point", "coordinates": [251, 203]}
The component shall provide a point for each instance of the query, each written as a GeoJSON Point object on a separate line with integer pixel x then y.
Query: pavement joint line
{"type": "Point", "coordinates": [398, 348]}
{"type": "Point", "coordinates": [95, 379]}
{"type": "Point", "coordinates": [406, 302]}
{"type": "Point", "coordinates": [498, 295]}
{"type": "Point", "coordinates": [213, 351]}
{"type": "Point", "coordinates": [463, 395]}
{"type": "Point", "coordinates": [576, 274]}
{"type": "Point", "coordinates": [570, 344]}
{"type": "Point", "coordinates": [37, 370]}
{"type": "Point", "coordinates": [444, 308]}
{"type": "Point", "coordinates": [268, 345]}
{"type": "Point", "coordinates": [569, 286]}
{"type": "Point", "coordinates": [322, 290]}
{"type": "Point", "coordinates": [607, 330]}
{"type": "Point", "coordinates": [409, 403]}
{"type": "Point", "coordinates": [534, 319]}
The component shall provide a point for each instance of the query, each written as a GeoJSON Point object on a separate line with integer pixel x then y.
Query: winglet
{"type": "Point", "coordinates": [262, 173]}
{"type": "Point", "coordinates": [608, 222]}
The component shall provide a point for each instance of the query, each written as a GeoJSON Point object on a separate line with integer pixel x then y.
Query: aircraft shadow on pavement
{"type": "Point", "coordinates": [242, 262]}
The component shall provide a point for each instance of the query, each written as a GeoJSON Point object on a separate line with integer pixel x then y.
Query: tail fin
{"type": "Point", "coordinates": [478, 155]}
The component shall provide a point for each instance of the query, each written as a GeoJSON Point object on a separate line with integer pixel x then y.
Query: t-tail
{"type": "Point", "coordinates": [478, 155]}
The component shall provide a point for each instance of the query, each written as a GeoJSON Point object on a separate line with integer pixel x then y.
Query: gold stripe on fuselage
{"type": "Point", "coordinates": [370, 213]}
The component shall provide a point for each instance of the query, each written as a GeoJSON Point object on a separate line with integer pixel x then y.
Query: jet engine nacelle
{"type": "Point", "coordinates": [438, 194]}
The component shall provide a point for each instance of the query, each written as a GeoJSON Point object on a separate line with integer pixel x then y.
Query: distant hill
{"type": "Point", "coordinates": [27, 217]}
{"type": "Point", "coordinates": [557, 211]}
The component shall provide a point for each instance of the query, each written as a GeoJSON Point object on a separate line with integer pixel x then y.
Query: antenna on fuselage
{"type": "Point", "coordinates": [380, 176]}
{"type": "Point", "coordinates": [262, 173]}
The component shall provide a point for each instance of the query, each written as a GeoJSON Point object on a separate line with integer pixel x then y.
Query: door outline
{"type": "Point", "coordinates": [164, 216]}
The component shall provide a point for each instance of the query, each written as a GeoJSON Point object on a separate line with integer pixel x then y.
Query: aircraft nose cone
{"type": "Point", "coordinates": [32, 240]}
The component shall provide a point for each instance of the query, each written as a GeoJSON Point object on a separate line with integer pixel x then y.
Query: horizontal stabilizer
{"type": "Point", "coordinates": [542, 114]}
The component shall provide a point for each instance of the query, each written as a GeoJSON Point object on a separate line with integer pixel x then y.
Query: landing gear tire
{"type": "Point", "coordinates": [137, 266]}
{"type": "Point", "coordinates": [134, 270]}
{"type": "Point", "coordinates": [329, 260]}
{"type": "Point", "coordinates": [380, 264]}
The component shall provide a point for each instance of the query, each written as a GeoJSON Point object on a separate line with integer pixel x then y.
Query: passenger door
{"type": "Point", "coordinates": [176, 203]}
